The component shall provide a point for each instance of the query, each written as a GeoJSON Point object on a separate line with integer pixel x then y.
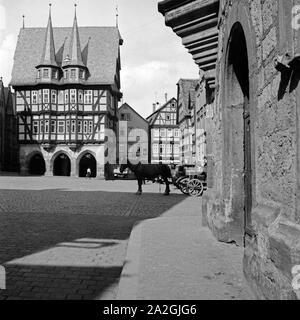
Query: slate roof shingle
{"type": "Point", "coordinates": [48, 56]}
{"type": "Point", "coordinates": [100, 51]}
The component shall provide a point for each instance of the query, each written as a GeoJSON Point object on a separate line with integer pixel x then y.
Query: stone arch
{"type": "Point", "coordinates": [35, 163]}
{"type": "Point", "coordinates": [60, 164]}
{"type": "Point", "coordinates": [85, 160]}
{"type": "Point", "coordinates": [237, 113]}
{"type": "Point", "coordinates": [239, 14]}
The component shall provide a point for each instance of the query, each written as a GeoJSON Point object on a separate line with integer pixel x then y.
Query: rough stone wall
{"type": "Point", "coordinates": [274, 248]}
{"type": "Point", "coordinates": [271, 255]}
{"type": "Point", "coordinates": [275, 133]}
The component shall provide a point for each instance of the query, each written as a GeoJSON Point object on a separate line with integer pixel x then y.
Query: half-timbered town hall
{"type": "Point", "coordinates": [67, 85]}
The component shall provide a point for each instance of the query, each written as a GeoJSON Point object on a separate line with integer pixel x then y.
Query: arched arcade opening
{"type": "Point", "coordinates": [86, 162]}
{"type": "Point", "coordinates": [37, 165]}
{"type": "Point", "coordinates": [62, 165]}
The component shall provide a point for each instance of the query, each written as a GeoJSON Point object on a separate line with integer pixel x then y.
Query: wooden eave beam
{"type": "Point", "coordinates": [191, 11]}
{"type": "Point", "coordinates": [198, 27]}
{"type": "Point", "coordinates": [202, 48]}
{"type": "Point", "coordinates": [206, 54]}
{"type": "Point", "coordinates": [166, 5]}
{"type": "Point", "coordinates": [207, 66]}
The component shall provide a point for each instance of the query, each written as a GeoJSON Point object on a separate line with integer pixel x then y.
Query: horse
{"type": "Point", "coordinates": [149, 172]}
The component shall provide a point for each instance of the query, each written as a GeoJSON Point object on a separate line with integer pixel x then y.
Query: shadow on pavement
{"type": "Point", "coordinates": [69, 245]}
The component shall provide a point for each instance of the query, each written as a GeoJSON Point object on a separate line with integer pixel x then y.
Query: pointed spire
{"type": "Point", "coordinates": [23, 17]}
{"type": "Point", "coordinates": [75, 55]}
{"type": "Point", "coordinates": [48, 56]}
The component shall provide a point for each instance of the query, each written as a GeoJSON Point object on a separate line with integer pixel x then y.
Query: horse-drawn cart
{"type": "Point", "coordinates": [190, 181]}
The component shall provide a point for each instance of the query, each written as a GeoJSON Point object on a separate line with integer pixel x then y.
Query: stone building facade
{"type": "Point", "coordinates": [8, 131]}
{"type": "Point", "coordinates": [67, 85]}
{"type": "Point", "coordinates": [254, 158]}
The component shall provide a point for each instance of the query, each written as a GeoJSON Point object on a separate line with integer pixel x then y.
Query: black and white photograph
{"type": "Point", "coordinates": [149, 153]}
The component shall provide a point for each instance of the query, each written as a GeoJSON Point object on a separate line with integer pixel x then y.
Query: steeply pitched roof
{"type": "Point", "coordinates": [129, 107]}
{"type": "Point", "coordinates": [100, 53]}
{"type": "Point", "coordinates": [151, 119]}
{"type": "Point", "coordinates": [48, 55]}
{"type": "Point", "coordinates": [187, 94]}
{"type": "Point", "coordinates": [74, 56]}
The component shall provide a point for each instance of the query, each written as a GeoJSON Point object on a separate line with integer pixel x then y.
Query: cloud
{"type": "Point", "coordinates": [7, 47]}
{"type": "Point", "coordinates": [140, 84]}
{"type": "Point", "coordinates": [143, 83]}
{"type": "Point", "coordinates": [2, 17]}
{"type": "Point", "coordinates": [145, 73]}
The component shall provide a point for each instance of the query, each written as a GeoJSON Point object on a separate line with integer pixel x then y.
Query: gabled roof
{"type": "Point", "coordinates": [186, 94]}
{"type": "Point", "coordinates": [100, 53]}
{"type": "Point", "coordinates": [48, 55]}
{"type": "Point", "coordinates": [151, 119]}
{"type": "Point", "coordinates": [129, 107]}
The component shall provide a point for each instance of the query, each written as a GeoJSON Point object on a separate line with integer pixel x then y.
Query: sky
{"type": "Point", "coordinates": [153, 58]}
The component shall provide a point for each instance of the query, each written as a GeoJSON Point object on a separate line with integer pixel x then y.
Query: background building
{"type": "Point", "coordinates": [164, 134]}
{"type": "Point", "coordinates": [8, 131]}
{"type": "Point", "coordinates": [133, 135]}
{"type": "Point", "coordinates": [254, 132]}
{"type": "Point", "coordinates": [205, 104]}
{"type": "Point", "coordinates": [186, 120]}
{"type": "Point", "coordinates": [67, 85]}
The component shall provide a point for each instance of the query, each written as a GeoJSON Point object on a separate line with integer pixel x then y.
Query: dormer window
{"type": "Point", "coordinates": [73, 73]}
{"type": "Point", "coordinates": [54, 74]}
{"type": "Point", "coordinates": [45, 73]}
{"type": "Point", "coordinates": [39, 74]}
{"type": "Point", "coordinates": [81, 74]}
{"type": "Point", "coordinates": [66, 74]}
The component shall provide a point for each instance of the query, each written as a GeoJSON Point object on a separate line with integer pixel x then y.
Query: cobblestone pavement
{"type": "Point", "coordinates": [66, 238]}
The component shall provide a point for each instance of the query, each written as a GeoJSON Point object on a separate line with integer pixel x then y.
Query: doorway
{"type": "Point", "coordinates": [237, 131]}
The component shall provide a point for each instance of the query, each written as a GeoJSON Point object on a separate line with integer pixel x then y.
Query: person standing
{"type": "Point", "coordinates": [88, 173]}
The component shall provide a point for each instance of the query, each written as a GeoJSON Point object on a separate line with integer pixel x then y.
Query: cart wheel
{"type": "Point", "coordinates": [183, 185]}
{"type": "Point", "coordinates": [195, 188]}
